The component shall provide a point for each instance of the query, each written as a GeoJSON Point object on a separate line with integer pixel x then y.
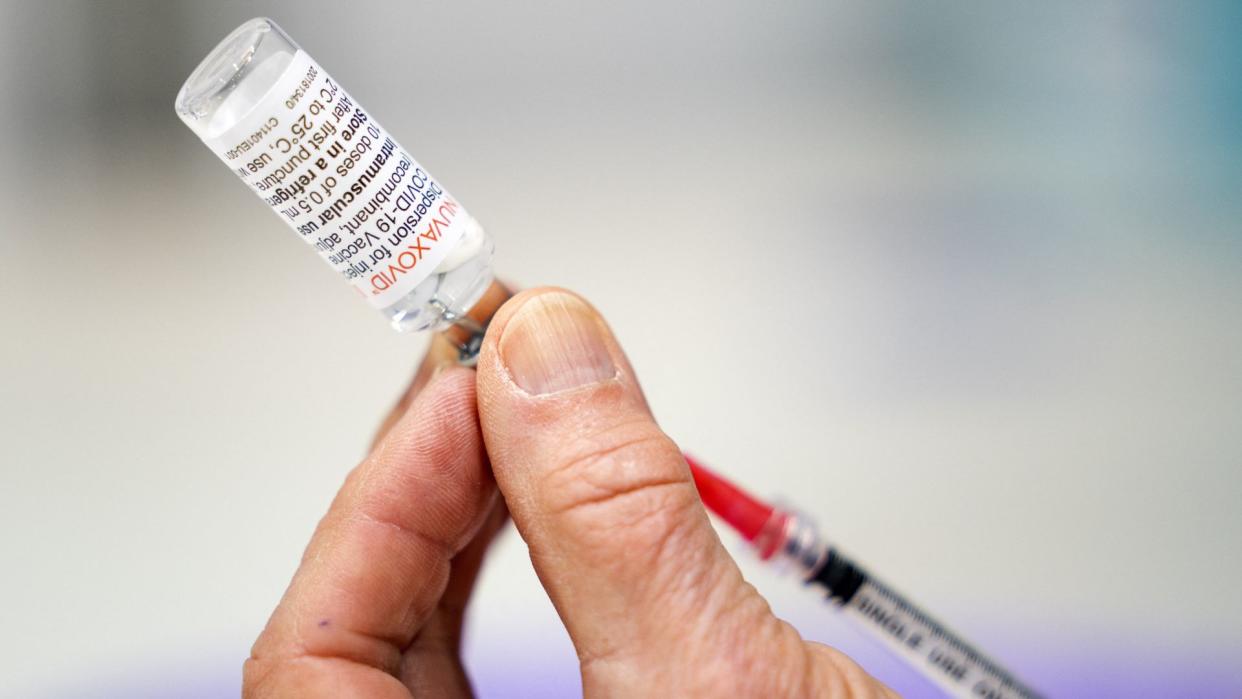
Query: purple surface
{"type": "Point", "coordinates": [511, 665]}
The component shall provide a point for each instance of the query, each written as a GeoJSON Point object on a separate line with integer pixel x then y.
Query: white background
{"type": "Point", "coordinates": [962, 284]}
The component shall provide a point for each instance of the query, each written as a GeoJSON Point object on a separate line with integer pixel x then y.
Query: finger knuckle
{"type": "Point", "coordinates": [256, 675]}
{"type": "Point", "coordinates": [624, 483]}
{"type": "Point", "coordinates": [834, 674]}
{"type": "Point", "coordinates": [623, 469]}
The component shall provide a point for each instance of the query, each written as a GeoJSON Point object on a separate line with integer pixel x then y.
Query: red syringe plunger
{"type": "Point", "coordinates": [743, 512]}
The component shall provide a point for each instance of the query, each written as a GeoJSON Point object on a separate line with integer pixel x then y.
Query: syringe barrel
{"type": "Point", "coordinates": [940, 654]}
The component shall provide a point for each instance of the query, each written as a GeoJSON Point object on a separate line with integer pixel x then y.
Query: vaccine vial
{"type": "Point", "coordinates": [341, 182]}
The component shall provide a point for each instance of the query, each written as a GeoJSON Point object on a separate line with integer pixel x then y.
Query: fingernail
{"type": "Point", "coordinates": [556, 342]}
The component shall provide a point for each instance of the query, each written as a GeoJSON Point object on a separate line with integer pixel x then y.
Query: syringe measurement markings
{"type": "Point", "coordinates": [945, 640]}
{"type": "Point", "coordinates": [940, 632]}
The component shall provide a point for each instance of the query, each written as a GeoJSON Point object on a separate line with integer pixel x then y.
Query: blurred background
{"type": "Point", "coordinates": [962, 280]}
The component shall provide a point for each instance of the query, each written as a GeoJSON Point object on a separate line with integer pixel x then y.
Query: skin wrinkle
{"type": "Point", "coordinates": [586, 475]}
{"type": "Point", "coordinates": [390, 645]}
{"type": "Point", "coordinates": [752, 635]}
{"type": "Point", "coordinates": [701, 583]}
{"type": "Point", "coordinates": [442, 552]}
{"type": "Point", "coordinates": [386, 654]}
{"type": "Point", "coordinates": [838, 671]}
{"type": "Point", "coordinates": [433, 655]}
{"type": "Point", "coordinates": [444, 506]}
{"type": "Point", "coordinates": [362, 527]}
{"type": "Point", "coordinates": [389, 684]}
{"type": "Point", "coordinates": [671, 540]}
{"type": "Point", "coordinates": [634, 533]}
{"type": "Point", "coordinates": [698, 589]}
{"type": "Point", "coordinates": [589, 472]}
{"type": "Point", "coordinates": [394, 642]}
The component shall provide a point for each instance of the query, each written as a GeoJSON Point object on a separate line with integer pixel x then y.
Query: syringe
{"type": "Point", "coordinates": [928, 646]}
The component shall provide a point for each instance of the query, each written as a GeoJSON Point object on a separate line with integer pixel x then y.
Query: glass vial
{"type": "Point", "coordinates": [344, 185]}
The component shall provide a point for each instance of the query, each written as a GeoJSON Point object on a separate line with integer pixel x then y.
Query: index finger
{"type": "Point", "coordinates": [380, 559]}
{"type": "Point", "coordinates": [440, 354]}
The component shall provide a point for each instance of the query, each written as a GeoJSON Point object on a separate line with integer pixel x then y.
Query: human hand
{"type": "Point", "coordinates": [652, 601]}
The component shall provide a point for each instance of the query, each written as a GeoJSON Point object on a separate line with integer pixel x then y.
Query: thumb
{"type": "Point", "coordinates": [602, 497]}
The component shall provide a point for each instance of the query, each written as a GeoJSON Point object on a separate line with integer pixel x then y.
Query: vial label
{"type": "Point", "coordinates": [342, 183]}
